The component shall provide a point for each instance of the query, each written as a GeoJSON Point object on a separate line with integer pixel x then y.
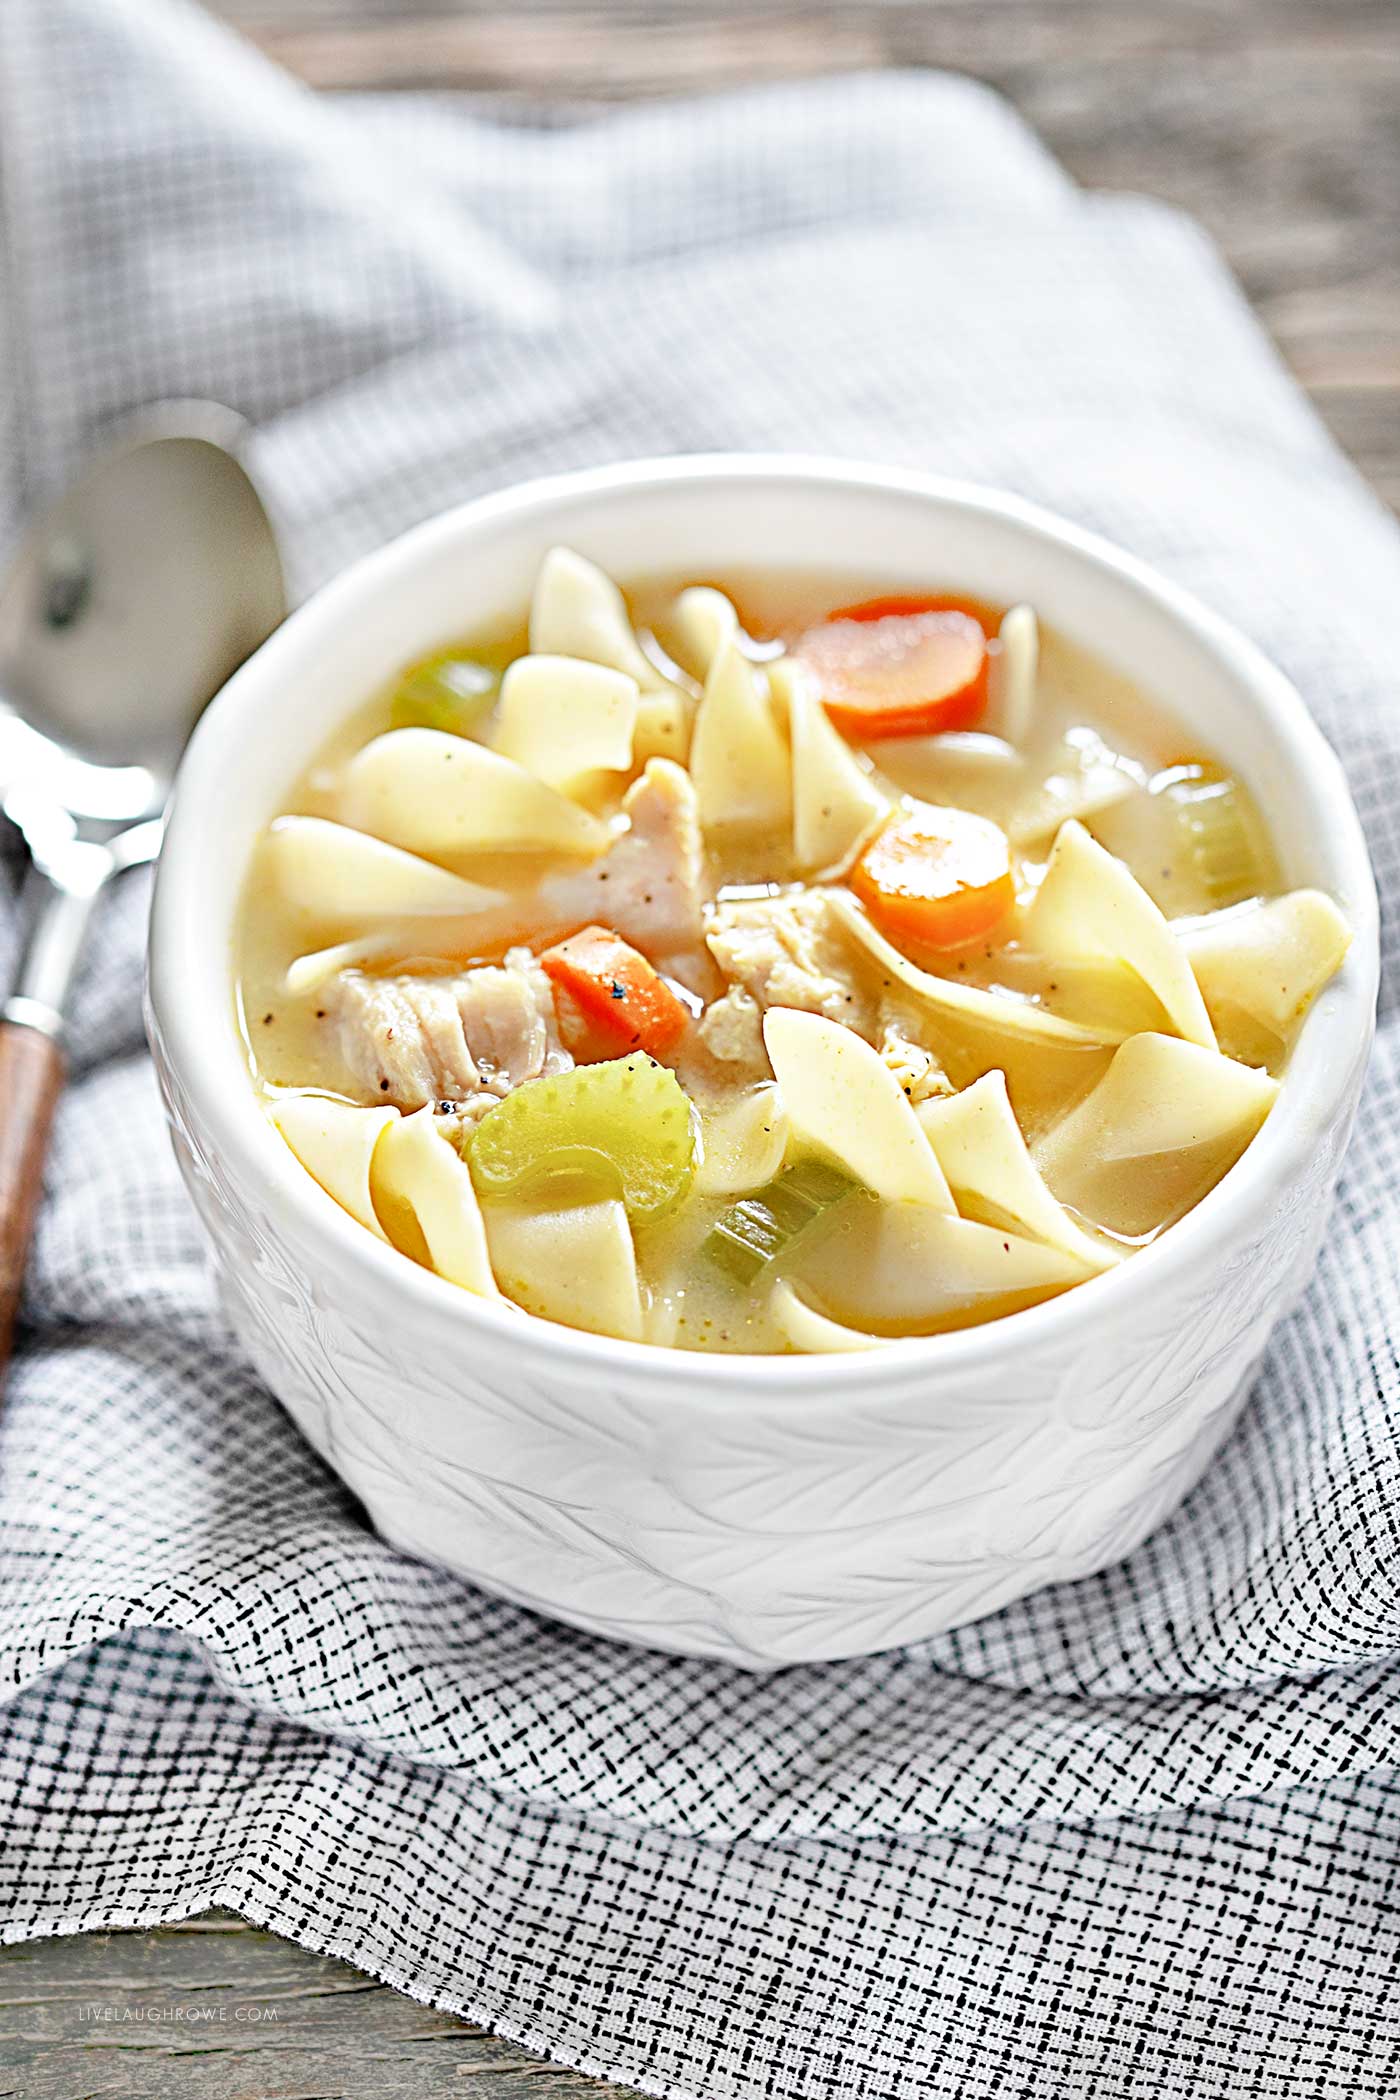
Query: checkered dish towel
{"type": "Point", "coordinates": [1129, 1837]}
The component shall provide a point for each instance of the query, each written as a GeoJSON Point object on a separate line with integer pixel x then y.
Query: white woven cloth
{"type": "Point", "coordinates": [1139, 1836]}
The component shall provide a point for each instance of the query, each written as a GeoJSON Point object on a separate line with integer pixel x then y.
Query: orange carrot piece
{"type": "Point", "coordinates": [885, 674]}
{"type": "Point", "coordinates": [611, 996]}
{"type": "Point", "coordinates": [937, 877]}
{"type": "Point", "coordinates": [899, 605]}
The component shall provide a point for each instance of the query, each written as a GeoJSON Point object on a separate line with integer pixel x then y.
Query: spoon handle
{"type": "Point", "coordinates": [56, 907]}
{"type": "Point", "coordinates": [31, 1079]}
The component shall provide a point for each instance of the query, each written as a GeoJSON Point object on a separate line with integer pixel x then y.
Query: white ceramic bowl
{"type": "Point", "coordinates": [766, 1510]}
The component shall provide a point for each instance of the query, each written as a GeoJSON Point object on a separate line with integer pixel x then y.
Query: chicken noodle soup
{"type": "Point", "coordinates": [770, 965]}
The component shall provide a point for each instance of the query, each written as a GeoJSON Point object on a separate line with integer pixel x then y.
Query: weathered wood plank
{"type": "Point", "coordinates": [217, 2010]}
{"type": "Point", "coordinates": [1274, 121]}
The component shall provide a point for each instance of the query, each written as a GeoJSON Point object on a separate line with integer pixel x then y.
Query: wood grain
{"type": "Point", "coordinates": [31, 1079]}
{"type": "Point", "coordinates": [1277, 122]}
{"type": "Point", "coordinates": [218, 2010]}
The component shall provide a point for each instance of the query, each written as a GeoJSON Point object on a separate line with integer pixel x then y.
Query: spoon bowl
{"type": "Point", "coordinates": [129, 604]}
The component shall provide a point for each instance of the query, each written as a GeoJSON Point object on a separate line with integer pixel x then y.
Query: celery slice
{"type": "Point", "coordinates": [747, 1238]}
{"type": "Point", "coordinates": [448, 692]}
{"type": "Point", "coordinates": [624, 1126]}
{"type": "Point", "coordinates": [1219, 829]}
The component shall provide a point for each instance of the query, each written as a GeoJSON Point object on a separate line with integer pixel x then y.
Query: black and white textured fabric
{"type": "Point", "coordinates": [1135, 1837]}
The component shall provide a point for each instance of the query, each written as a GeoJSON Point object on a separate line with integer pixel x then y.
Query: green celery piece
{"type": "Point", "coordinates": [753, 1232]}
{"type": "Point", "coordinates": [448, 692]}
{"type": "Point", "coordinates": [1218, 832]}
{"type": "Point", "coordinates": [625, 1125]}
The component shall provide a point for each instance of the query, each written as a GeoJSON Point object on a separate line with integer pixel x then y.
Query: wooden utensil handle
{"type": "Point", "coordinates": [31, 1079]}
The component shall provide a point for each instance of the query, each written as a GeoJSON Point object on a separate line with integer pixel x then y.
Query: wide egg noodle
{"type": "Point", "coordinates": [843, 1101]}
{"type": "Point", "coordinates": [306, 973]}
{"type": "Point", "coordinates": [563, 719]}
{"type": "Point", "coordinates": [1091, 907]}
{"type": "Point", "coordinates": [578, 611]}
{"type": "Point", "coordinates": [739, 759]}
{"type": "Point", "coordinates": [978, 1143]}
{"type": "Point", "coordinates": [431, 792]}
{"type": "Point", "coordinates": [1015, 669]}
{"type": "Point", "coordinates": [664, 723]}
{"type": "Point", "coordinates": [707, 624]}
{"type": "Point", "coordinates": [904, 1268]}
{"type": "Point", "coordinates": [1164, 1123]}
{"type": "Point", "coordinates": [811, 1331]}
{"type": "Point", "coordinates": [1260, 966]}
{"type": "Point", "coordinates": [576, 1265]}
{"type": "Point", "coordinates": [423, 1195]}
{"type": "Point", "coordinates": [335, 1142]}
{"type": "Point", "coordinates": [742, 1143]}
{"type": "Point", "coordinates": [338, 877]}
{"type": "Point", "coordinates": [835, 801]}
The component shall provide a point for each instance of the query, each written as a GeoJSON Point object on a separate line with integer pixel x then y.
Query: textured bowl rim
{"type": "Point", "coordinates": [234, 1122]}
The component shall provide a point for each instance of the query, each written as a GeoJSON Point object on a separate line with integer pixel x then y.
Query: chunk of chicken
{"type": "Point", "coordinates": [731, 1029]}
{"type": "Point", "coordinates": [789, 951]}
{"type": "Point", "coordinates": [467, 1039]}
{"type": "Point", "coordinates": [650, 884]}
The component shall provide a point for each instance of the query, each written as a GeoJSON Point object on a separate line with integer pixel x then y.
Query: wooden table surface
{"type": "Point", "coordinates": [1278, 123]}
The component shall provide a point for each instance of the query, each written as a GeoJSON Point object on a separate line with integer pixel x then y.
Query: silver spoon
{"type": "Point", "coordinates": [127, 608]}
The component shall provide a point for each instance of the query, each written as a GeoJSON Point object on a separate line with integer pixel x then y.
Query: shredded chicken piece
{"type": "Point", "coordinates": [791, 951]}
{"type": "Point", "coordinates": [508, 1018]}
{"type": "Point", "coordinates": [775, 951]}
{"type": "Point", "coordinates": [650, 884]}
{"type": "Point", "coordinates": [465, 1039]}
{"type": "Point", "coordinates": [918, 1071]}
{"type": "Point", "coordinates": [731, 1029]}
{"type": "Point", "coordinates": [467, 1114]}
{"type": "Point", "coordinates": [786, 951]}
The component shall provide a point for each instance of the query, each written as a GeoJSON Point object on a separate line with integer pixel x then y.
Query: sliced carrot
{"type": "Point", "coordinates": [609, 999]}
{"type": "Point", "coordinates": [937, 877]}
{"type": "Point", "coordinates": [898, 673]}
{"type": "Point", "coordinates": [896, 605]}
